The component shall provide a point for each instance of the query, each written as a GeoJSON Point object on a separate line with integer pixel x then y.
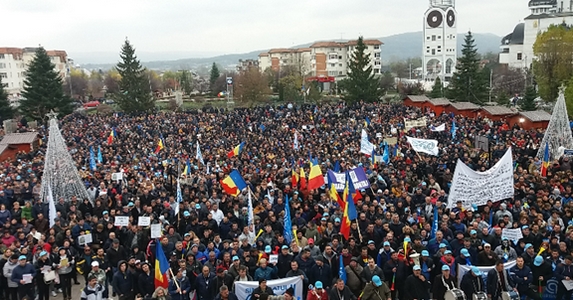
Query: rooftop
{"type": "Point", "coordinates": [536, 115]}
{"type": "Point", "coordinates": [417, 98]}
{"type": "Point", "coordinates": [439, 101]}
{"type": "Point", "coordinates": [19, 138]}
{"type": "Point", "coordinates": [498, 110]}
{"type": "Point", "coordinates": [464, 106]}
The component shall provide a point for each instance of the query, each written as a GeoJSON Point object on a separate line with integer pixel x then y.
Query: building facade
{"type": "Point", "coordinates": [321, 59]}
{"type": "Point", "coordinates": [440, 46]}
{"type": "Point", "coordinates": [14, 63]}
{"type": "Point", "coordinates": [517, 47]}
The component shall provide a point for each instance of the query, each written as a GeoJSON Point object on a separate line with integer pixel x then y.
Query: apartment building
{"type": "Point", "coordinates": [321, 59]}
{"type": "Point", "coordinates": [14, 63]}
{"type": "Point", "coordinates": [247, 64]}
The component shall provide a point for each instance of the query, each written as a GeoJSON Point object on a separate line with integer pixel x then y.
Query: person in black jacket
{"type": "Point", "coordinates": [43, 265]}
{"type": "Point", "coordinates": [340, 292]}
{"type": "Point", "coordinates": [115, 254]}
{"type": "Point", "coordinates": [262, 289]}
{"type": "Point", "coordinates": [205, 284]}
{"type": "Point", "coordinates": [442, 283]}
{"type": "Point", "coordinates": [283, 264]}
{"type": "Point", "coordinates": [472, 283]}
{"type": "Point", "coordinates": [542, 272]}
{"type": "Point", "coordinates": [498, 281]}
{"type": "Point", "coordinates": [417, 286]}
{"type": "Point", "coordinates": [123, 282]}
{"type": "Point", "coordinates": [564, 272]}
{"type": "Point", "coordinates": [145, 281]}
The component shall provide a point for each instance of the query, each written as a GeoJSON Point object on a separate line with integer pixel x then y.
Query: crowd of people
{"type": "Point", "coordinates": [391, 252]}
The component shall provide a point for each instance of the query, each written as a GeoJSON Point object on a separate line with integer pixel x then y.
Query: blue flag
{"type": "Point", "coordinates": [453, 129]}
{"type": "Point", "coordinates": [434, 223]}
{"type": "Point", "coordinates": [386, 155]}
{"type": "Point", "coordinates": [92, 159]}
{"type": "Point", "coordinates": [262, 127]}
{"type": "Point", "coordinates": [337, 166]}
{"type": "Point", "coordinates": [179, 198]}
{"type": "Point", "coordinates": [287, 221]}
{"type": "Point", "coordinates": [341, 271]}
{"type": "Point", "coordinates": [199, 156]}
{"type": "Point", "coordinates": [99, 156]}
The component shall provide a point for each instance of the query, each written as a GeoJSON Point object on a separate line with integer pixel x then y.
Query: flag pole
{"type": "Point", "coordinates": [359, 233]}
{"type": "Point", "coordinates": [175, 280]}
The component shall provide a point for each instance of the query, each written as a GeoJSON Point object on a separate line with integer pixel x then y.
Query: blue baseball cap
{"type": "Point", "coordinates": [376, 280]}
{"type": "Point", "coordinates": [197, 206]}
{"type": "Point", "coordinates": [443, 245]}
{"type": "Point", "coordinates": [43, 253]}
{"type": "Point", "coordinates": [425, 253]}
{"type": "Point", "coordinates": [318, 284]}
{"type": "Point", "coordinates": [416, 268]}
{"type": "Point", "coordinates": [267, 249]}
{"type": "Point", "coordinates": [538, 261]}
{"type": "Point", "coordinates": [130, 204]}
{"type": "Point", "coordinates": [407, 239]}
{"type": "Point", "coordinates": [465, 252]}
{"type": "Point", "coordinates": [386, 243]}
{"type": "Point", "coordinates": [524, 227]}
{"type": "Point", "coordinates": [336, 220]}
{"type": "Point", "coordinates": [370, 242]}
{"type": "Point", "coordinates": [284, 247]}
{"type": "Point", "coordinates": [448, 252]}
{"type": "Point", "coordinates": [186, 213]}
{"type": "Point", "coordinates": [104, 212]}
{"type": "Point", "coordinates": [528, 245]}
{"type": "Point", "coordinates": [473, 232]}
{"type": "Point", "coordinates": [445, 268]}
{"type": "Point", "coordinates": [476, 271]}
{"type": "Point", "coordinates": [22, 257]}
{"type": "Point", "coordinates": [235, 258]}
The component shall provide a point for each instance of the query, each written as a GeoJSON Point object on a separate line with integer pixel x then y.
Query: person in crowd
{"type": "Point", "coordinates": [318, 292]}
{"type": "Point", "coordinates": [564, 272]}
{"type": "Point", "coordinates": [93, 290]}
{"type": "Point", "coordinates": [443, 283]}
{"type": "Point", "coordinates": [341, 292]}
{"type": "Point", "coordinates": [123, 282]}
{"type": "Point", "coordinates": [23, 275]}
{"type": "Point", "coordinates": [499, 281]}
{"type": "Point", "coordinates": [418, 285]}
{"type": "Point", "coordinates": [205, 285]}
{"type": "Point", "coordinates": [541, 273]}
{"type": "Point", "coordinates": [11, 286]}
{"type": "Point", "coordinates": [179, 287]}
{"type": "Point", "coordinates": [44, 266]}
{"type": "Point", "coordinates": [262, 290]}
{"type": "Point", "coordinates": [376, 289]}
{"type": "Point", "coordinates": [64, 264]}
{"type": "Point", "coordinates": [225, 294]}
{"type": "Point", "coordinates": [472, 282]}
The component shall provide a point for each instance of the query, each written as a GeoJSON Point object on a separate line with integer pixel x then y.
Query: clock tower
{"type": "Point", "coordinates": [440, 41]}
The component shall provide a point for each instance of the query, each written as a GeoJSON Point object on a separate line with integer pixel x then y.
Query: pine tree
{"type": "Point", "coordinates": [437, 89]}
{"type": "Point", "coordinates": [134, 90]}
{"type": "Point", "coordinates": [528, 103]}
{"type": "Point", "coordinates": [6, 111]}
{"type": "Point", "coordinates": [362, 84]}
{"type": "Point", "coordinates": [468, 81]}
{"type": "Point", "coordinates": [43, 89]}
{"type": "Point", "coordinates": [214, 76]}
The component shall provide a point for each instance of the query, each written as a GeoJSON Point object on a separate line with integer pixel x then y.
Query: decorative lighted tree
{"type": "Point", "coordinates": [558, 133]}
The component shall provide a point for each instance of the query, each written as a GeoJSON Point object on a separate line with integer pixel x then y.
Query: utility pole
{"type": "Point", "coordinates": [490, 83]}
{"type": "Point", "coordinates": [410, 71]}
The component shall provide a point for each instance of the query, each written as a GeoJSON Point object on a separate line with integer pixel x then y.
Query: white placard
{"type": "Point", "coordinates": [424, 146]}
{"type": "Point", "coordinates": [85, 239]}
{"type": "Point", "coordinates": [421, 122]}
{"type": "Point", "coordinates": [439, 128]}
{"type": "Point", "coordinates": [244, 289]}
{"type": "Point", "coordinates": [477, 188]}
{"type": "Point", "coordinates": [568, 284]}
{"type": "Point", "coordinates": [378, 135]}
{"type": "Point", "coordinates": [143, 221]}
{"type": "Point", "coordinates": [27, 278]}
{"type": "Point", "coordinates": [155, 231]}
{"type": "Point", "coordinates": [117, 176]}
{"type": "Point", "coordinates": [273, 258]}
{"type": "Point", "coordinates": [121, 221]}
{"type": "Point", "coordinates": [365, 146]}
{"type": "Point", "coordinates": [512, 234]}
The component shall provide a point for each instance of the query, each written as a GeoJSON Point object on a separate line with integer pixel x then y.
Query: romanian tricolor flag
{"type": "Point", "coordinates": [234, 183]}
{"type": "Point", "coordinates": [111, 136]}
{"type": "Point", "coordinates": [302, 179]}
{"type": "Point", "coordinates": [294, 179]}
{"type": "Point", "coordinates": [161, 267]}
{"type": "Point", "coordinates": [315, 178]}
{"type": "Point", "coordinates": [545, 163]}
{"type": "Point", "coordinates": [236, 151]}
{"type": "Point", "coordinates": [335, 196]}
{"type": "Point", "coordinates": [349, 209]}
{"type": "Point", "coordinates": [160, 144]}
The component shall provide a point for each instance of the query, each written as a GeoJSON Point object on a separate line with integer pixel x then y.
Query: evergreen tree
{"type": "Point", "coordinates": [361, 83]}
{"type": "Point", "coordinates": [43, 89]}
{"type": "Point", "coordinates": [134, 90]}
{"type": "Point", "coordinates": [437, 89]}
{"type": "Point", "coordinates": [214, 76]}
{"type": "Point", "coordinates": [6, 111]}
{"type": "Point", "coordinates": [528, 103]}
{"type": "Point", "coordinates": [468, 82]}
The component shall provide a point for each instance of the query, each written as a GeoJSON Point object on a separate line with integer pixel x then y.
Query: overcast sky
{"type": "Point", "coordinates": [229, 26]}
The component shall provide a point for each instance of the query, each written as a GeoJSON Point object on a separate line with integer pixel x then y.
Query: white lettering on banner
{"type": "Point", "coordinates": [244, 289]}
{"type": "Point", "coordinates": [477, 188]}
{"type": "Point", "coordinates": [424, 146]}
{"type": "Point", "coordinates": [421, 122]}
{"type": "Point", "coordinates": [512, 234]}
{"type": "Point", "coordinates": [463, 269]}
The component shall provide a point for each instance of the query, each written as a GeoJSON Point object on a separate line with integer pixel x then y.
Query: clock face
{"type": "Point", "coordinates": [451, 18]}
{"type": "Point", "coordinates": [434, 19]}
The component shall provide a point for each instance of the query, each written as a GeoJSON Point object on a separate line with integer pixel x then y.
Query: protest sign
{"type": "Point", "coordinates": [85, 239]}
{"type": "Point", "coordinates": [155, 231]}
{"type": "Point", "coordinates": [366, 147]}
{"type": "Point", "coordinates": [121, 221]}
{"type": "Point", "coordinates": [357, 175]}
{"type": "Point", "coordinates": [117, 176]}
{"type": "Point", "coordinates": [424, 146]}
{"type": "Point", "coordinates": [512, 234]}
{"type": "Point", "coordinates": [391, 140]}
{"type": "Point", "coordinates": [244, 289]}
{"type": "Point", "coordinates": [438, 128]}
{"type": "Point", "coordinates": [421, 122]}
{"type": "Point", "coordinates": [143, 221]}
{"type": "Point", "coordinates": [476, 188]}
{"type": "Point", "coordinates": [273, 258]}
{"type": "Point", "coordinates": [568, 152]}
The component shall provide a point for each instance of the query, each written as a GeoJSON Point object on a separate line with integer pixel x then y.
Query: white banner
{"type": "Point", "coordinates": [244, 289]}
{"type": "Point", "coordinates": [512, 234]}
{"type": "Point", "coordinates": [365, 146]}
{"type": "Point", "coordinates": [439, 128]}
{"type": "Point", "coordinates": [463, 269]}
{"type": "Point", "coordinates": [424, 146]}
{"type": "Point", "coordinates": [421, 122]}
{"type": "Point", "coordinates": [477, 188]}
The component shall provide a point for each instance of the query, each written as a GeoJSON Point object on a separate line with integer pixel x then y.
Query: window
{"type": "Point", "coordinates": [376, 47]}
{"type": "Point", "coordinates": [332, 56]}
{"type": "Point", "coordinates": [333, 65]}
{"type": "Point", "coordinates": [376, 71]}
{"type": "Point", "coordinates": [427, 47]}
{"type": "Point", "coordinates": [377, 63]}
{"type": "Point", "coordinates": [427, 51]}
{"type": "Point", "coordinates": [377, 55]}
{"type": "Point", "coordinates": [340, 65]}
{"type": "Point", "coordinates": [439, 47]}
{"type": "Point", "coordinates": [340, 57]}
{"type": "Point", "coordinates": [2, 66]}
{"type": "Point", "coordinates": [439, 37]}
{"type": "Point", "coordinates": [3, 75]}
{"type": "Point", "coordinates": [428, 37]}
{"type": "Point", "coordinates": [339, 72]}
{"type": "Point", "coordinates": [519, 56]}
{"type": "Point", "coordinates": [433, 51]}
{"type": "Point", "coordinates": [1, 56]}
{"type": "Point", "coordinates": [433, 37]}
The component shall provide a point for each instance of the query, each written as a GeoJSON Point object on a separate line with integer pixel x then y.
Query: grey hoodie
{"type": "Point", "coordinates": [7, 272]}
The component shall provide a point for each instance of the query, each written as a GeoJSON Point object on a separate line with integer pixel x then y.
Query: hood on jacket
{"type": "Point", "coordinates": [120, 263]}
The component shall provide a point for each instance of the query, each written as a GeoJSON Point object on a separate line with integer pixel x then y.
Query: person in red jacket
{"type": "Point", "coordinates": [318, 293]}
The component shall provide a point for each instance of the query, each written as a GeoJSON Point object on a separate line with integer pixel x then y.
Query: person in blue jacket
{"type": "Point", "coordinates": [523, 277]}
{"type": "Point", "coordinates": [123, 282]}
{"type": "Point", "coordinates": [24, 268]}
{"type": "Point", "coordinates": [180, 287]}
{"type": "Point", "coordinates": [265, 271]}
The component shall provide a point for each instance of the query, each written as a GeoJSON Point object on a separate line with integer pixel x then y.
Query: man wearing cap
{"type": "Point", "coordinates": [528, 255]}
{"type": "Point", "coordinates": [283, 264]}
{"type": "Point", "coordinates": [25, 287]}
{"type": "Point", "coordinates": [442, 283]}
{"type": "Point", "coordinates": [43, 265]}
{"type": "Point", "coordinates": [318, 293]}
{"type": "Point", "coordinates": [376, 289]}
{"type": "Point", "coordinates": [426, 264]}
{"type": "Point", "coordinates": [100, 275]}
{"type": "Point", "coordinates": [314, 250]}
{"type": "Point", "coordinates": [12, 288]}
{"type": "Point", "coordinates": [261, 290]}
{"type": "Point", "coordinates": [472, 282]}
{"type": "Point", "coordinates": [541, 271]}
{"type": "Point", "coordinates": [417, 285]}
{"type": "Point", "coordinates": [234, 267]}
{"type": "Point", "coordinates": [179, 287]}
{"type": "Point", "coordinates": [487, 257]}
{"type": "Point", "coordinates": [464, 258]}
